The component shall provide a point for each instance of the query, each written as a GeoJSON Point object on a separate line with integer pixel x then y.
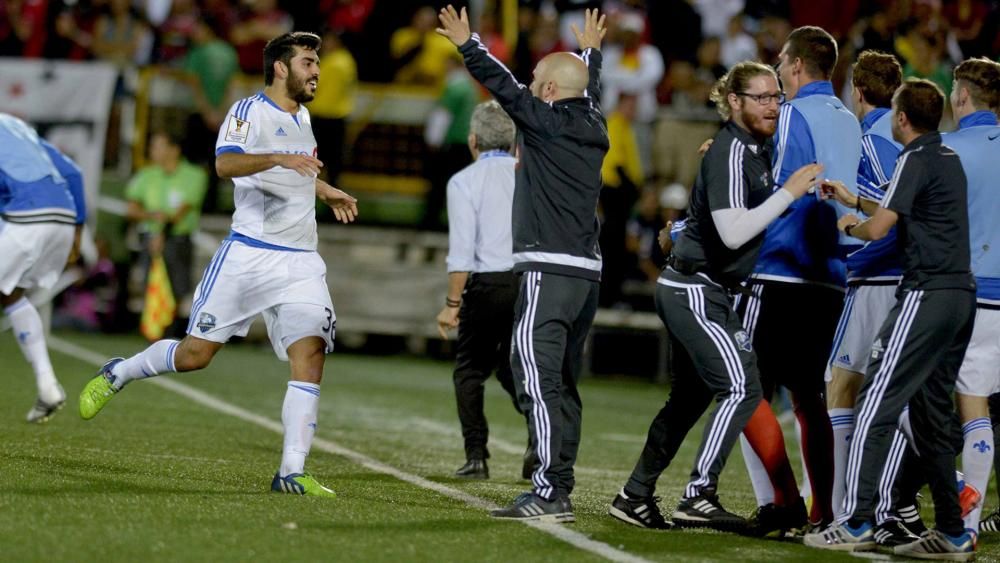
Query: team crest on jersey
{"type": "Point", "coordinates": [877, 349]}
{"type": "Point", "coordinates": [238, 130]}
{"type": "Point", "coordinates": [742, 340]}
{"type": "Point", "coordinates": [206, 322]}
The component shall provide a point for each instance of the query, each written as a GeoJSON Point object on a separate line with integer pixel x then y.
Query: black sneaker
{"type": "Point", "coordinates": [642, 512]}
{"type": "Point", "coordinates": [991, 523]}
{"type": "Point", "coordinates": [474, 469]}
{"type": "Point", "coordinates": [891, 533]}
{"type": "Point", "coordinates": [529, 506]}
{"type": "Point", "coordinates": [704, 511]}
{"type": "Point", "coordinates": [911, 520]}
{"type": "Point", "coordinates": [774, 521]}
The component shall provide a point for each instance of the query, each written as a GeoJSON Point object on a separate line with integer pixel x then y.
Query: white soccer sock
{"type": "Point", "coordinates": [298, 415]}
{"type": "Point", "coordinates": [842, 421]}
{"type": "Point", "coordinates": [155, 360]}
{"type": "Point", "coordinates": [977, 461]}
{"type": "Point", "coordinates": [30, 335]}
{"type": "Point", "coordinates": [761, 481]}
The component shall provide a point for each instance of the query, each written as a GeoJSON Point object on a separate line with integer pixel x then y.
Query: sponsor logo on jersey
{"type": "Point", "coordinates": [280, 132]}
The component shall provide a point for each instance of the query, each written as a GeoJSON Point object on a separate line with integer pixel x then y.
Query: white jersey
{"type": "Point", "coordinates": [276, 206]}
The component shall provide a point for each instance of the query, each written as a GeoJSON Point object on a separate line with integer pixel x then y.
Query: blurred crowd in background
{"type": "Point", "coordinates": [661, 58]}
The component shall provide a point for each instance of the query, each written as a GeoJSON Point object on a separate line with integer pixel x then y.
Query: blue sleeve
{"type": "Point", "coordinates": [794, 144]}
{"type": "Point", "coordinates": [74, 178]}
{"type": "Point", "coordinates": [878, 162]}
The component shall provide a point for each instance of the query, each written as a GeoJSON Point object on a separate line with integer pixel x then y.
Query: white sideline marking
{"type": "Point", "coordinates": [576, 539]}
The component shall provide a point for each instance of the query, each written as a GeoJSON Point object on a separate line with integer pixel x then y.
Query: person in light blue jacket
{"type": "Point", "coordinates": [42, 210]}
{"type": "Point", "coordinates": [974, 99]}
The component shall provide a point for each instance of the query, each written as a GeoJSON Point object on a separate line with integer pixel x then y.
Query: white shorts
{"type": "Point", "coordinates": [980, 372]}
{"type": "Point", "coordinates": [33, 254]}
{"type": "Point", "coordinates": [865, 309]}
{"type": "Point", "coordinates": [288, 288]}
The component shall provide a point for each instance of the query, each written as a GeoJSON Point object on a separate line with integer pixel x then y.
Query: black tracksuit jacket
{"type": "Point", "coordinates": [561, 146]}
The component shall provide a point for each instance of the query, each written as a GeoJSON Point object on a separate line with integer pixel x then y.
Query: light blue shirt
{"type": "Point", "coordinates": [480, 198]}
{"type": "Point", "coordinates": [977, 143]}
{"type": "Point", "coordinates": [878, 260]}
{"type": "Point", "coordinates": [803, 244]}
{"type": "Point", "coordinates": [37, 183]}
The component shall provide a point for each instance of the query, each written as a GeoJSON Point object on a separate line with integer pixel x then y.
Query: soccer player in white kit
{"type": "Point", "coordinates": [268, 264]}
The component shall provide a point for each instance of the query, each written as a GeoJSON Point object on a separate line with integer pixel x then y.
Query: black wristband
{"type": "Point", "coordinates": [857, 206]}
{"type": "Point", "coordinates": [847, 229]}
{"type": "Point", "coordinates": [452, 302]}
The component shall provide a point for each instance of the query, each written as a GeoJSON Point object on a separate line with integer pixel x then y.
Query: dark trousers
{"type": "Point", "coordinates": [792, 326]}
{"type": "Point", "coordinates": [551, 321]}
{"type": "Point", "coordinates": [689, 397]}
{"type": "Point", "coordinates": [700, 315]}
{"type": "Point", "coordinates": [485, 324]}
{"type": "Point", "coordinates": [915, 360]}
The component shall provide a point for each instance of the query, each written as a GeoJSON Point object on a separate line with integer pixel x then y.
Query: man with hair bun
{"type": "Point", "coordinates": [732, 203]}
{"type": "Point", "coordinates": [975, 96]}
{"type": "Point", "coordinates": [482, 288]}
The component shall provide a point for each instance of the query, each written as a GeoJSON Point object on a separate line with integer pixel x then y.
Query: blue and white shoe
{"type": "Point", "coordinates": [940, 546]}
{"type": "Point", "coordinates": [842, 537]}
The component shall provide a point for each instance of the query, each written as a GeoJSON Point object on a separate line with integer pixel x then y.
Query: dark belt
{"type": "Point", "coordinates": [686, 268]}
{"type": "Point", "coordinates": [988, 306]}
{"type": "Point", "coordinates": [494, 277]}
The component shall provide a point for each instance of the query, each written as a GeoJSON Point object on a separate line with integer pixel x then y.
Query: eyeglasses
{"type": "Point", "coordinates": [764, 99]}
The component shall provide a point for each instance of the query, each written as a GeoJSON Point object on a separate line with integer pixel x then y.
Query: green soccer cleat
{"type": "Point", "coordinates": [300, 484]}
{"type": "Point", "coordinates": [98, 391]}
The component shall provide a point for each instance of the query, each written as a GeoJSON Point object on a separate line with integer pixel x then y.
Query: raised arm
{"type": "Point", "coordinates": [527, 111]}
{"type": "Point", "coordinates": [589, 41]}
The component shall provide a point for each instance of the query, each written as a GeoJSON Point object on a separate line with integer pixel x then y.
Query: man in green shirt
{"type": "Point", "coordinates": [209, 67]}
{"type": "Point", "coordinates": [165, 199]}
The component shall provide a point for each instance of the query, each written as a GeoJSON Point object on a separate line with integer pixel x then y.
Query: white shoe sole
{"type": "Point", "coordinates": [819, 543]}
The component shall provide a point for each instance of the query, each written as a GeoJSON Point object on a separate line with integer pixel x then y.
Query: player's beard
{"type": "Point", "coordinates": [758, 126]}
{"type": "Point", "coordinates": [297, 88]}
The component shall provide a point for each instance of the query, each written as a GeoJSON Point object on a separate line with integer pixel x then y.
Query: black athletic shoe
{"type": "Point", "coordinates": [642, 512]}
{"type": "Point", "coordinates": [911, 519]}
{"type": "Point", "coordinates": [474, 469]}
{"type": "Point", "coordinates": [704, 511]}
{"type": "Point", "coordinates": [529, 506]}
{"type": "Point", "coordinates": [891, 533]}
{"type": "Point", "coordinates": [774, 521]}
{"type": "Point", "coordinates": [991, 523]}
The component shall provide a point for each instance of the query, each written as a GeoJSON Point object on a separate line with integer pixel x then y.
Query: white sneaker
{"type": "Point", "coordinates": [842, 537]}
{"type": "Point", "coordinates": [936, 545]}
{"type": "Point", "coordinates": [42, 411]}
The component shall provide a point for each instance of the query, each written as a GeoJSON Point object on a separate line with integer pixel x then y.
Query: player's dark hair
{"type": "Point", "coordinates": [877, 75]}
{"type": "Point", "coordinates": [923, 103]}
{"type": "Point", "coordinates": [737, 80]}
{"type": "Point", "coordinates": [816, 48]}
{"type": "Point", "coordinates": [282, 48]}
{"type": "Point", "coordinates": [982, 78]}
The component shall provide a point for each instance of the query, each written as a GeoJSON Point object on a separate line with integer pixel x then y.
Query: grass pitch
{"type": "Point", "coordinates": [158, 476]}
